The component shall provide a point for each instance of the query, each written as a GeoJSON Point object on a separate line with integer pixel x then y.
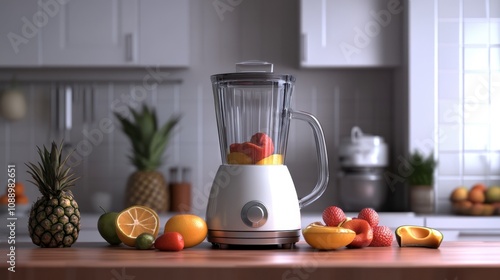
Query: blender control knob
{"type": "Point", "coordinates": [254, 214]}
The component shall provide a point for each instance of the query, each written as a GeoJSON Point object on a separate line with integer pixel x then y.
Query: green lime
{"type": "Point", "coordinates": [144, 241]}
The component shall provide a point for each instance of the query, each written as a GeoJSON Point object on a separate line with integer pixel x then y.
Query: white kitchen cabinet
{"type": "Point", "coordinates": [164, 32]}
{"type": "Point", "coordinates": [466, 228]}
{"type": "Point", "coordinates": [99, 33]}
{"type": "Point", "coordinates": [91, 32]}
{"type": "Point", "coordinates": [18, 33]}
{"type": "Point", "coordinates": [356, 33]}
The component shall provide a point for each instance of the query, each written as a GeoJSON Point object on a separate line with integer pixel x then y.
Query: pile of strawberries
{"type": "Point", "coordinates": [368, 231]}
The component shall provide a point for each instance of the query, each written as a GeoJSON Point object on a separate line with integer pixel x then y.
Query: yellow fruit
{"type": "Point", "coordinates": [462, 207]}
{"type": "Point", "coordinates": [476, 209]}
{"type": "Point", "coordinates": [192, 228]}
{"type": "Point", "coordinates": [274, 159]}
{"type": "Point", "coordinates": [418, 236]}
{"type": "Point", "coordinates": [134, 221]}
{"type": "Point", "coordinates": [459, 194]}
{"type": "Point", "coordinates": [238, 158]}
{"type": "Point", "coordinates": [488, 210]}
{"type": "Point", "coordinates": [327, 238]}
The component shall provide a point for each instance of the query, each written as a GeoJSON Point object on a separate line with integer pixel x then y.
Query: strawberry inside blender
{"type": "Point", "coordinates": [259, 147]}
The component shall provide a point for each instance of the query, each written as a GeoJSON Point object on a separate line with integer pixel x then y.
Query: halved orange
{"type": "Point", "coordinates": [134, 221]}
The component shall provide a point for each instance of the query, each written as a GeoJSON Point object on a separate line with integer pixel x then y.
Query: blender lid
{"type": "Point", "coordinates": [252, 70]}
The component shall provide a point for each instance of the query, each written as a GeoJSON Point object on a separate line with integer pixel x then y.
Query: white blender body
{"type": "Point", "coordinates": [253, 200]}
{"type": "Point", "coordinates": [259, 199]}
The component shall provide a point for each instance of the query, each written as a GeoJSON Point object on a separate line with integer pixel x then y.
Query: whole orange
{"type": "Point", "coordinates": [192, 228]}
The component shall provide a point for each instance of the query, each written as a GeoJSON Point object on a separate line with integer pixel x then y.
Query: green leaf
{"type": "Point", "coordinates": [148, 141]}
{"type": "Point", "coordinates": [423, 169]}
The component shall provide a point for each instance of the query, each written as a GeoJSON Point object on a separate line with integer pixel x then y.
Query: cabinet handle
{"type": "Point", "coordinates": [129, 47]}
{"type": "Point", "coordinates": [303, 46]}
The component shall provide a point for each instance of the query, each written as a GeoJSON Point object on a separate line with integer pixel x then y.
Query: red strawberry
{"type": "Point", "coordinates": [382, 237]}
{"type": "Point", "coordinates": [333, 216]}
{"type": "Point", "coordinates": [369, 215]}
{"type": "Point", "coordinates": [169, 241]}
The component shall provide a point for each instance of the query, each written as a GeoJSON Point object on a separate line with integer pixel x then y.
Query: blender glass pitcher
{"type": "Point", "coordinates": [253, 118]}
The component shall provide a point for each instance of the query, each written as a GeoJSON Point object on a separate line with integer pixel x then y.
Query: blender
{"type": "Point", "coordinates": [253, 200]}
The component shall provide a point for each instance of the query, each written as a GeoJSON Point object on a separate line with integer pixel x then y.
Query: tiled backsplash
{"type": "Point", "coordinates": [340, 99]}
{"type": "Point", "coordinates": [468, 67]}
{"type": "Point", "coordinates": [101, 154]}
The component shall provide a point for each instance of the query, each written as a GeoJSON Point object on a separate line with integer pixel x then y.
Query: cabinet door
{"type": "Point", "coordinates": [19, 32]}
{"type": "Point", "coordinates": [356, 33]}
{"type": "Point", "coordinates": [91, 33]}
{"type": "Point", "coordinates": [164, 32]}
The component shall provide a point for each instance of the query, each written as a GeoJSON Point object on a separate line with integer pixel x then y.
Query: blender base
{"type": "Point", "coordinates": [222, 238]}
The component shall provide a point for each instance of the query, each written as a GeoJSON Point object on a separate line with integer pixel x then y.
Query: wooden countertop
{"type": "Point", "coordinates": [94, 261]}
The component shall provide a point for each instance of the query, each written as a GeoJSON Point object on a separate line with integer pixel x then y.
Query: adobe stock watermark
{"type": "Point", "coordinates": [31, 26]}
{"type": "Point", "coordinates": [363, 36]}
{"type": "Point", "coordinates": [454, 117]}
{"type": "Point", "coordinates": [472, 102]}
{"type": "Point", "coordinates": [223, 6]}
{"type": "Point", "coordinates": [211, 189]}
{"type": "Point", "coordinates": [121, 275]}
{"type": "Point", "coordinates": [94, 137]}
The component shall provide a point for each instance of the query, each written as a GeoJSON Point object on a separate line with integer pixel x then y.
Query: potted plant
{"type": "Point", "coordinates": [421, 181]}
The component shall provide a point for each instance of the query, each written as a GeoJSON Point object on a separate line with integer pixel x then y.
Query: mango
{"type": "Point", "coordinates": [418, 236]}
{"type": "Point", "coordinates": [238, 158]}
{"type": "Point", "coordinates": [324, 237]}
{"type": "Point", "coordinates": [274, 159]}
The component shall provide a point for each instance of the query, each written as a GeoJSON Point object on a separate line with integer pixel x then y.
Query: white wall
{"type": "Point", "coordinates": [454, 96]}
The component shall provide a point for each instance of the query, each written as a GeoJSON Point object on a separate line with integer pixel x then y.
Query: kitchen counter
{"type": "Point", "coordinates": [455, 228]}
{"type": "Point", "coordinates": [96, 260]}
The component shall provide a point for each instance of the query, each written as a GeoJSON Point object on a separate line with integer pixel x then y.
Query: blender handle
{"type": "Point", "coordinates": [323, 172]}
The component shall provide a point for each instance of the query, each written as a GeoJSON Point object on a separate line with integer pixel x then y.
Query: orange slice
{"type": "Point", "coordinates": [274, 159]}
{"type": "Point", "coordinates": [324, 237]}
{"type": "Point", "coordinates": [134, 221]}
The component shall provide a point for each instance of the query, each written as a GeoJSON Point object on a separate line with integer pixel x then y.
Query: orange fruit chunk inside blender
{"type": "Point", "coordinates": [259, 150]}
{"type": "Point", "coordinates": [274, 159]}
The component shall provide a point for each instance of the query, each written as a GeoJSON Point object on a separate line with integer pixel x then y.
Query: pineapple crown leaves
{"type": "Point", "coordinates": [149, 141]}
{"type": "Point", "coordinates": [50, 174]}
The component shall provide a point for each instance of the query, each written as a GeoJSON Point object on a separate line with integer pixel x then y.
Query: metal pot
{"type": "Point", "coordinates": [362, 189]}
{"type": "Point", "coordinates": [362, 150]}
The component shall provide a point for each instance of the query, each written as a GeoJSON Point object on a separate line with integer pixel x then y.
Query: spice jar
{"type": "Point", "coordinates": [180, 189]}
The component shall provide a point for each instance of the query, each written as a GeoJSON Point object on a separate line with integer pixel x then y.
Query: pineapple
{"type": "Point", "coordinates": [147, 186]}
{"type": "Point", "coordinates": [54, 218]}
